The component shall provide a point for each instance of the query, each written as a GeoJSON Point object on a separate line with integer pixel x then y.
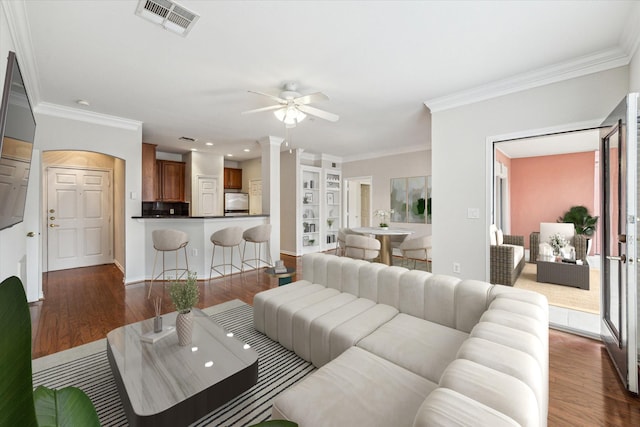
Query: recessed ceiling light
{"type": "Point", "coordinates": [209, 364]}
{"type": "Point", "coordinates": [208, 143]}
{"type": "Point", "coordinates": [82, 102]}
{"type": "Point", "coordinates": [246, 150]}
{"type": "Point", "coordinates": [229, 155]}
{"type": "Point", "coordinates": [194, 149]}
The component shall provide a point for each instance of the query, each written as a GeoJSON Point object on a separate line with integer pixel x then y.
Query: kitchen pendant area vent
{"type": "Point", "coordinates": [168, 14]}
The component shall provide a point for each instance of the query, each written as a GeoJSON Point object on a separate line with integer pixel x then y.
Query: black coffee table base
{"type": "Point", "coordinates": [561, 273]}
{"type": "Point", "coordinates": [192, 409]}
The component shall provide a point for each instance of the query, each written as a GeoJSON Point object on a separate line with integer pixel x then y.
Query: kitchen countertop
{"type": "Point", "coordinates": [198, 217]}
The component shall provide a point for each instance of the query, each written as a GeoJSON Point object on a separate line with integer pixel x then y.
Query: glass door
{"type": "Point", "coordinates": [618, 228]}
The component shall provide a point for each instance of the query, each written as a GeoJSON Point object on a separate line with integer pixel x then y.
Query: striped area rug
{"type": "Point", "coordinates": [278, 369]}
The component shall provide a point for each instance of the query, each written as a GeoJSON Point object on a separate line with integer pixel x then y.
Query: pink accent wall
{"type": "Point", "coordinates": [543, 188]}
{"type": "Point", "coordinates": [502, 158]}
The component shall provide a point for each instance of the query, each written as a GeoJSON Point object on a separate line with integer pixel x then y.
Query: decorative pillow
{"type": "Point", "coordinates": [499, 237]}
{"type": "Point", "coordinates": [492, 235]}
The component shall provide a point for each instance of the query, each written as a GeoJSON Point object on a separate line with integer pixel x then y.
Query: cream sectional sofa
{"type": "Point", "coordinates": [399, 347]}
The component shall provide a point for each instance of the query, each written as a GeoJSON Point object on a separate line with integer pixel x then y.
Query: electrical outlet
{"type": "Point", "coordinates": [456, 267]}
{"type": "Point", "coordinates": [172, 211]}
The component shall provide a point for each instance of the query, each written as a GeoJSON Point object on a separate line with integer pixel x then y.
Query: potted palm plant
{"type": "Point", "coordinates": [583, 223]}
{"type": "Point", "coordinates": [184, 295]}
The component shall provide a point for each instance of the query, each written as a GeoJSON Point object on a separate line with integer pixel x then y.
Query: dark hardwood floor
{"type": "Point", "coordinates": [82, 305]}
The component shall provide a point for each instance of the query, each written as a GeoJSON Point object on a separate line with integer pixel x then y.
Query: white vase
{"type": "Point", "coordinates": [184, 327]}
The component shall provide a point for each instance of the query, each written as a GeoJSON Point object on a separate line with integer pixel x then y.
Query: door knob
{"type": "Point", "coordinates": [31, 234]}
{"type": "Point", "coordinates": [52, 218]}
{"type": "Point", "coordinates": [53, 225]}
{"type": "Point", "coordinates": [52, 210]}
{"type": "Point", "coordinates": [622, 258]}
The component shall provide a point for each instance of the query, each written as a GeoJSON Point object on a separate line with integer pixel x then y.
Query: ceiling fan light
{"type": "Point", "coordinates": [290, 116]}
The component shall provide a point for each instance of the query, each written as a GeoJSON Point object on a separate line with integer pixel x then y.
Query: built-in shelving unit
{"type": "Point", "coordinates": [310, 212]}
{"type": "Point", "coordinates": [331, 207]}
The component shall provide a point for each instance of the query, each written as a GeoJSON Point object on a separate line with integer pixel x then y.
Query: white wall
{"type": "Point", "coordinates": [57, 133]}
{"type": "Point", "coordinates": [382, 169]}
{"type": "Point", "coordinates": [460, 166]}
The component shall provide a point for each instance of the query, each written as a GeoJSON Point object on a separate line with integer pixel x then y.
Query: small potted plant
{"type": "Point", "coordinates": [184, 295]}
{"type": "Point", "coordinates": [383, 215]}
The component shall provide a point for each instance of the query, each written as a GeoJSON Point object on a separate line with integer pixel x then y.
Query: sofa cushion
{"type": "Point", "coordinates": [425, 348]}
{"type": "Point", "coordinates": [260, 300]}
{"type": "Point", "coordinates": [287, 310]}
{"type": "Point", "coordinates": [518, 253]}
{"type": "Point", "coordinates": [349, 333]}
{"type": "Point", "coordinates": [356, 389]}
{"type": "Point", "coordinates": [323, 326]}
{"type": "Point", "coordinates": [445, 408]}
{"type": "Point", "coordinates": [514, 338]}
{"type": "Point", "coordinates": [493, 240]}
{"type": "Point", "coordinates": [494, 389]}
{"type": "Point", "coordinates": [302, 320]}
{"type": "Point", "coordinates": [515, 363]}
{"type": "Point", "coordinates": [272, 305]}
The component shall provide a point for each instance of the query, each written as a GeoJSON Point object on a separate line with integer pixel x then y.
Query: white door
{"type": "Point", "coordinates": [207, 197]}
{"type": "Point", "coordinates": [79, 226]}
{"type": "Point", "coordinates": [14, 177]}
{"type": "Point", "coordinates": [618, 228]}
{"type": "Point", "coordinates": [255, 197]}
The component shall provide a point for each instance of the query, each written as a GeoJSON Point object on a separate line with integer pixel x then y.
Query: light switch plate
{"type": "Point", "coordinates": [473, 213]}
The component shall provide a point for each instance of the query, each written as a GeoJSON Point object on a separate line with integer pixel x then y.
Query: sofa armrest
{"type": "Point", "coordinates": [534, 242]}
{"type": "Point", "coordinates": [514, 240]}
{"type": "Point", "coordinates": [501, 265]}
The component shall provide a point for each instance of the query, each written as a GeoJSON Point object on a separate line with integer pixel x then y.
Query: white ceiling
{"type": "Point", "coordinates": [377, 61]}
{"type": "Point", "coordinates": [549, 145]}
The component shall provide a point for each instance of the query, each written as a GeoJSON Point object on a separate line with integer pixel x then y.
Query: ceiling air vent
{"type": "Point", "coordinates": [170, 15]}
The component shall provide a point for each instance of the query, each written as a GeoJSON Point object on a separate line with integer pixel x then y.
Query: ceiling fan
{"type": "Point", "coordinates": [293, 107]}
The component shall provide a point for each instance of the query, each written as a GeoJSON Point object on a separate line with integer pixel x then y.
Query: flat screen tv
{"type": "Point", "coordinates": [17, 132]}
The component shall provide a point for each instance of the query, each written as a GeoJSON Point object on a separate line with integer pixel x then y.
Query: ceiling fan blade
{"type": "Point", "coordinates": [258, 110]}
{"type": "Point", "coordinates": [275, 98]}
{"type": "Point", "coordinates": [318, 113]}
{"type": "Point", "coordinates": [312, 97]}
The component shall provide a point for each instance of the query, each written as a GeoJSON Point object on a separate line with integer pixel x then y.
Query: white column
{"type": "Point", "coordinates": [271, 188]}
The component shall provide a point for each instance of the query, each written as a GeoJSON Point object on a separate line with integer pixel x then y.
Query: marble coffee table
{"type": "Point", "coordinates": [164, 384]}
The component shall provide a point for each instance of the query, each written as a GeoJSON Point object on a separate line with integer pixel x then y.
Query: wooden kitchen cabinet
{"type": "Point", "coordinates": [233, 178]}
{"type": "Point", "coordinates": [148, 172]}
{"type": "Point", "coordinates": [170, 181]}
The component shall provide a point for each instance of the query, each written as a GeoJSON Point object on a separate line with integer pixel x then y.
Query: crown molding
{"type": "Point", "coordinates": [20, 31]}
{"type": "Point", "coordinates": [630, 37]}
{"type": "Point", "coordinates": [389, 152]}
{"type": "Point", "coordinates": [582, 66]}
{"type": "Point", "coordinates": [87, 116]}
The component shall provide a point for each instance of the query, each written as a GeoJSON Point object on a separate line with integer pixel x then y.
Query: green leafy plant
{"type": "Point", "coordinates": [20, 405]}
{"type": "Point", "coordinates": [581, 220]}
{"type": "Point", "coordinates": [185, 294]}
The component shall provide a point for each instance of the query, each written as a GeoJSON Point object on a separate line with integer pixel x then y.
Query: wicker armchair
{"type": "Point", "coordinates": [579, 242]}
{"type": "Point", "coordinates": [502, 270]}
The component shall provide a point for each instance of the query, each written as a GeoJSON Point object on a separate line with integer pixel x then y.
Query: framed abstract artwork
{"type": "Point", "coordinates": [411, 199]}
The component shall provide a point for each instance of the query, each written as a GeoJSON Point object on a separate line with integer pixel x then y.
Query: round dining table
{"type": "Point", "coordinates": [382, 234]}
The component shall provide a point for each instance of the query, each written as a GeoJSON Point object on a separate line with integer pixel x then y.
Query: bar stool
{"type": "Point", "coordinates": [257, 235]}
{"type": "Point", "coordinates": [229, 237]}
{"type": "Point", "coordinates": [169, 241]}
